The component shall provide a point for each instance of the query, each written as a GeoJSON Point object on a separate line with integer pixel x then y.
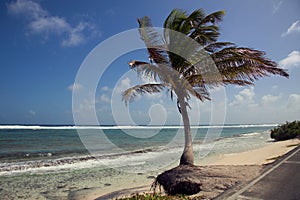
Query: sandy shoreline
{"type": "Point", "coordinates": [219, 173]}
{"type": "Point", "coordinates": [260, 156]}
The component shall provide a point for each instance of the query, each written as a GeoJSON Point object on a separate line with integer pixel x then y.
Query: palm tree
{"type": "Point", "coordinates": [183, 77]}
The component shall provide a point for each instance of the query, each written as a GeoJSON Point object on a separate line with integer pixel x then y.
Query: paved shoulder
{"type": "Point", "coordinates": [280, 181]}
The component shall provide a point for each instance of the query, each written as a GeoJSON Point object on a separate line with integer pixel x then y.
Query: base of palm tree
{"type": "Point", "coordinates": [183, 179]}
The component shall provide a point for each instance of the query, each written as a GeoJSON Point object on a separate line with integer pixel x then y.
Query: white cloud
{"type": "Point", "coordinates": [85, 111]}
{"type": "Point", "coordinates": [76, 35]}
{"type": "Point", "coordinates": [292, 60]}
{"type": "Point", "coordinates": [295, 27]}
{"type": "Point", "coordinates": [104, 98]}
{"type": "Point", "coordinates": [269, 99]}
{"type": "Point", "coordinates": [41, 22]}
{"type": "Point", "coordinates": [48, 25]}
{"type": "Point", "coordinates": [124, 85]}
{"type": "Point", "coordinates": [276, 6]}
{"type": "Point", "coordinates": [75, 87]}
{"type": "Point", "coordinates": [105, 89]}
{"type": "Point", "coordinates": [244, 97]}
{"type": "Point", "coordinates": [294, 102]}
{"type": "Point", "coordinates": [274, 87]}
{"type": "Point", "coordinates": [27, 8]}
{"type": "Point", "coordinates": [31, 112]}
{"type": "Point", "coordinates": [269, 108]}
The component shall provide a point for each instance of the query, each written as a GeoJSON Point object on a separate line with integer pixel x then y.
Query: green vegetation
{"type": "Point", "coordinates": [154, 197]}
{"type": "Point", "coordinates": [289, 130]}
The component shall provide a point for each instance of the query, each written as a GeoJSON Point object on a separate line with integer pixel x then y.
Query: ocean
{"type": "Point", "coordinates": [129, 148]}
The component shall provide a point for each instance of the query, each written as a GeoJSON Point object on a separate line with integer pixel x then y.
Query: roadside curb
{"type": "Point", "coordinates": [237, 190]}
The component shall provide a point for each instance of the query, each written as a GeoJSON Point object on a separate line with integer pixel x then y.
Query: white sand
{"type": "Point", "coordinates": [264, 155]}
{"type": "Point", "coordinates": [228, 170]}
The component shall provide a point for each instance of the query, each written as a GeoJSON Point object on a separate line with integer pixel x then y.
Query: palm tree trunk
{"type": "Point", "coordinates": [187, 157]}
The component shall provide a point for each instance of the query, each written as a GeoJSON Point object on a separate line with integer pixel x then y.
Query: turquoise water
{"type": "Point", "coordinates": [136, 145]}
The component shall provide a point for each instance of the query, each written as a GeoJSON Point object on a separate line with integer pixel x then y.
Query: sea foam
{"type": "Point", "coordinates": [38, 127]}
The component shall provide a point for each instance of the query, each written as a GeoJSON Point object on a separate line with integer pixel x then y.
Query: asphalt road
{"type": "Point", "coordinates": [279, 181]}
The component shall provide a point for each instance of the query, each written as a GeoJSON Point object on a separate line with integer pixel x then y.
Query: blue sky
{"type": "Point", "coordinates": [44, 43]}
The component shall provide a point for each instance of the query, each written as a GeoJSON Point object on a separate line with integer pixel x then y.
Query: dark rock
{"type": "Point", "coordinates": [150, 177]}
{"type": "Point", "coordinates": [60, 186]}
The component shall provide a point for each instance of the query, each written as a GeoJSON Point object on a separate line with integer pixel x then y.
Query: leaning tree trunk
{"type": "Point", "coordinates": [187, 157]}
{"type": "Point", "coordinates": [185, 178]}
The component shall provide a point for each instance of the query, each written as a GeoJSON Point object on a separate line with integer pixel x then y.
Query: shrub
{"type": "Point", "coordinates": [289, 130]}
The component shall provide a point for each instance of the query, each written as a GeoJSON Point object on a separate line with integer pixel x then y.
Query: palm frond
{"type": "Point", "coordinates": [130, 94]}
{"type": "Point", "coordinates": [156, 72]}
{"type": "Point", "coordinates": [213, 47]}
{"type": "Point", "coordinates": [154, 42]}
{"type": "Point", "coordinates": [237, 82]}
{"type": "Point", "coordinates": [205, 34]}
{"type": "Point", "coordinates": [238, 66]}
{"type": "Point", "coordinates": [197, 15]}
{"type": "Point", "coordinates": [245, 64]}
{"type": "Point", "coordinates": [175, 20]}
{"type": "Point", "coordinates": [191, 21]}
{"type": "Point", "coordinates": [174, 24]}
{"type": "Point", "coordinates": [185, 67]}
{"type": "Point", "coordinates": [213, 17]}
{"type": "Point", "coordinates": [135, 63]}
{"type": "Point", "coordinates": [213, 80]}
{"type": "Point", "coordinates": [201, 93]}
{"type": "Point", "coordinates": [205, 30]}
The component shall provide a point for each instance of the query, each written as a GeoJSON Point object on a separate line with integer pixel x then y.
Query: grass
{"type": "Point", "coordinates": [154, 197]}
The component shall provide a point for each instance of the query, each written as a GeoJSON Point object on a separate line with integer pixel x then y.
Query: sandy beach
{"type": "Point", "coordinates": [219, 173]}
{"type": "Point", "coordinates": [260, 156]}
